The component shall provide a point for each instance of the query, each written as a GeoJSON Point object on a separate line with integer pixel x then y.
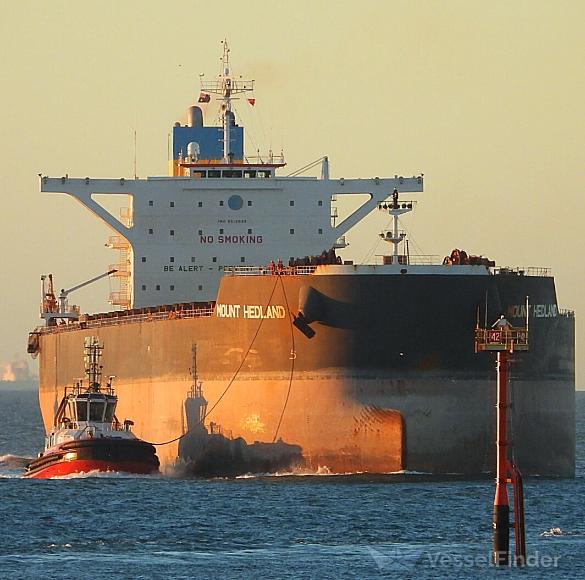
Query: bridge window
{"type": "Point", "coordinates": [110, 408]}
{"type": "Point", "coordinates": [232, 173]}
{"type": "Point", "coordinates": [249, 173]}
{"type": "Point", "coordinates": [81, 410]}
{"type": "Point", "coordinates": [96, 410]}
{"type": "Point", "coordinates": [265, 173]}
{"type": "Point", "coordinates": [198, 174]}
{"type": "Point", "coordinates": [214, 173]}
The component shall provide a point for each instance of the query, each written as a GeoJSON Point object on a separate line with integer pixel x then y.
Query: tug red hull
{"type": "Point", "coordinates": [79, 466]}
{"type": "Point", "coordinates": [83, 456]}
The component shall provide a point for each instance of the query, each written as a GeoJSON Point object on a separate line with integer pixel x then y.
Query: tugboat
{"type": "Point", "coordinates": [86, 434]}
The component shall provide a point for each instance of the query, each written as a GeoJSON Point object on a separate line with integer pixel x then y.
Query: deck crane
{"type": "Point", "coordinates": [51, 310]}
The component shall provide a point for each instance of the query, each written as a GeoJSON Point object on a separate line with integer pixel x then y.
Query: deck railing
{"type": "Point", "coordinates": [528, 271]}
{"type": "Point", "coordinates": [265, 271]}
{"type": "Point", "coordinates": [120, 317]}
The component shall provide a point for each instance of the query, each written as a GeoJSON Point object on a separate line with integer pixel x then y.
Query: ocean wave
{"type": "Point", "coordinates": [96, 473]}
{"type": "Point", "coordinates": [552, 532]}
{"type": "Point", "coordinates": [323, 470]}
{"type": "Point", "coordinates": [10, 461]}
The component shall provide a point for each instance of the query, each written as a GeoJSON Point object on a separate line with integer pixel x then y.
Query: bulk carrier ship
{"type": "Point", "coordinates": [314, 361]}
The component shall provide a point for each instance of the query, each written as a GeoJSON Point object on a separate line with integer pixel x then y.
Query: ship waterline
{"type": "Point", "coordinates": [362, 424]}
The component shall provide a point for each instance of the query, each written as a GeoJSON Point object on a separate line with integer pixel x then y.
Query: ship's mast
{"type": "Point", "coordinates": [226, 86]}
{"type": "Point", "coordinates": [92, 358]}
{"type": "Point", "coordinates": [395, 209]}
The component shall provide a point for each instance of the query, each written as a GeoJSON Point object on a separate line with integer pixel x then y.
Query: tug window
{"type": "Point", "coordinates": [96, 410]}
{"type": "Point", "coordinates": [82, 410]}
{"type": "Point", "coordinates": [111, 407]}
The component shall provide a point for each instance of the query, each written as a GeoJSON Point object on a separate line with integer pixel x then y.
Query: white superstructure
{"type": "Point", "coordinates": [184, 231]}
{"type": "Point", "coordinates": [218, 208]}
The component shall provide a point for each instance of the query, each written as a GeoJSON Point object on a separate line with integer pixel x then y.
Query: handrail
{"type": "Point", "coordinates": [528, 271]}
{"type": "Point", "coordinates": [265, 271]}
{"type": "Point", "coordinates": [129, 319]}
{"type": "Point", "coordinates": [501, 338]}
{"type": "Point", "coordinates": [414, 259]}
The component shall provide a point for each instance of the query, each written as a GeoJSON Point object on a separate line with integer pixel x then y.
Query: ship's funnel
{"type": "Point", "coordinates": [194, 116]}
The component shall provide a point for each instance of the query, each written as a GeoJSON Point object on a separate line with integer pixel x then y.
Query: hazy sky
{"type": "Point", "coordinates": [485, 98]}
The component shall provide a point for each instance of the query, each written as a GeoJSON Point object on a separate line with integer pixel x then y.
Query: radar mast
{"type": "Point", "coordinates": [226, 86]}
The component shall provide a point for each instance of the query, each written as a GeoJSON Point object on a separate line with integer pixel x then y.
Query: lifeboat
{"type": "Point", "coordinates": [86, 434]}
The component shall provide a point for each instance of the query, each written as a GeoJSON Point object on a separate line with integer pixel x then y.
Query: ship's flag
{"type": "Point", "coordinates": [252, 101]}
{"type": "Point", "coordinates": [204, 97]}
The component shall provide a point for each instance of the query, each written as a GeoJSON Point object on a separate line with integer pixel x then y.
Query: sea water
{"type": "Point", "coordinates": [285, 526]}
